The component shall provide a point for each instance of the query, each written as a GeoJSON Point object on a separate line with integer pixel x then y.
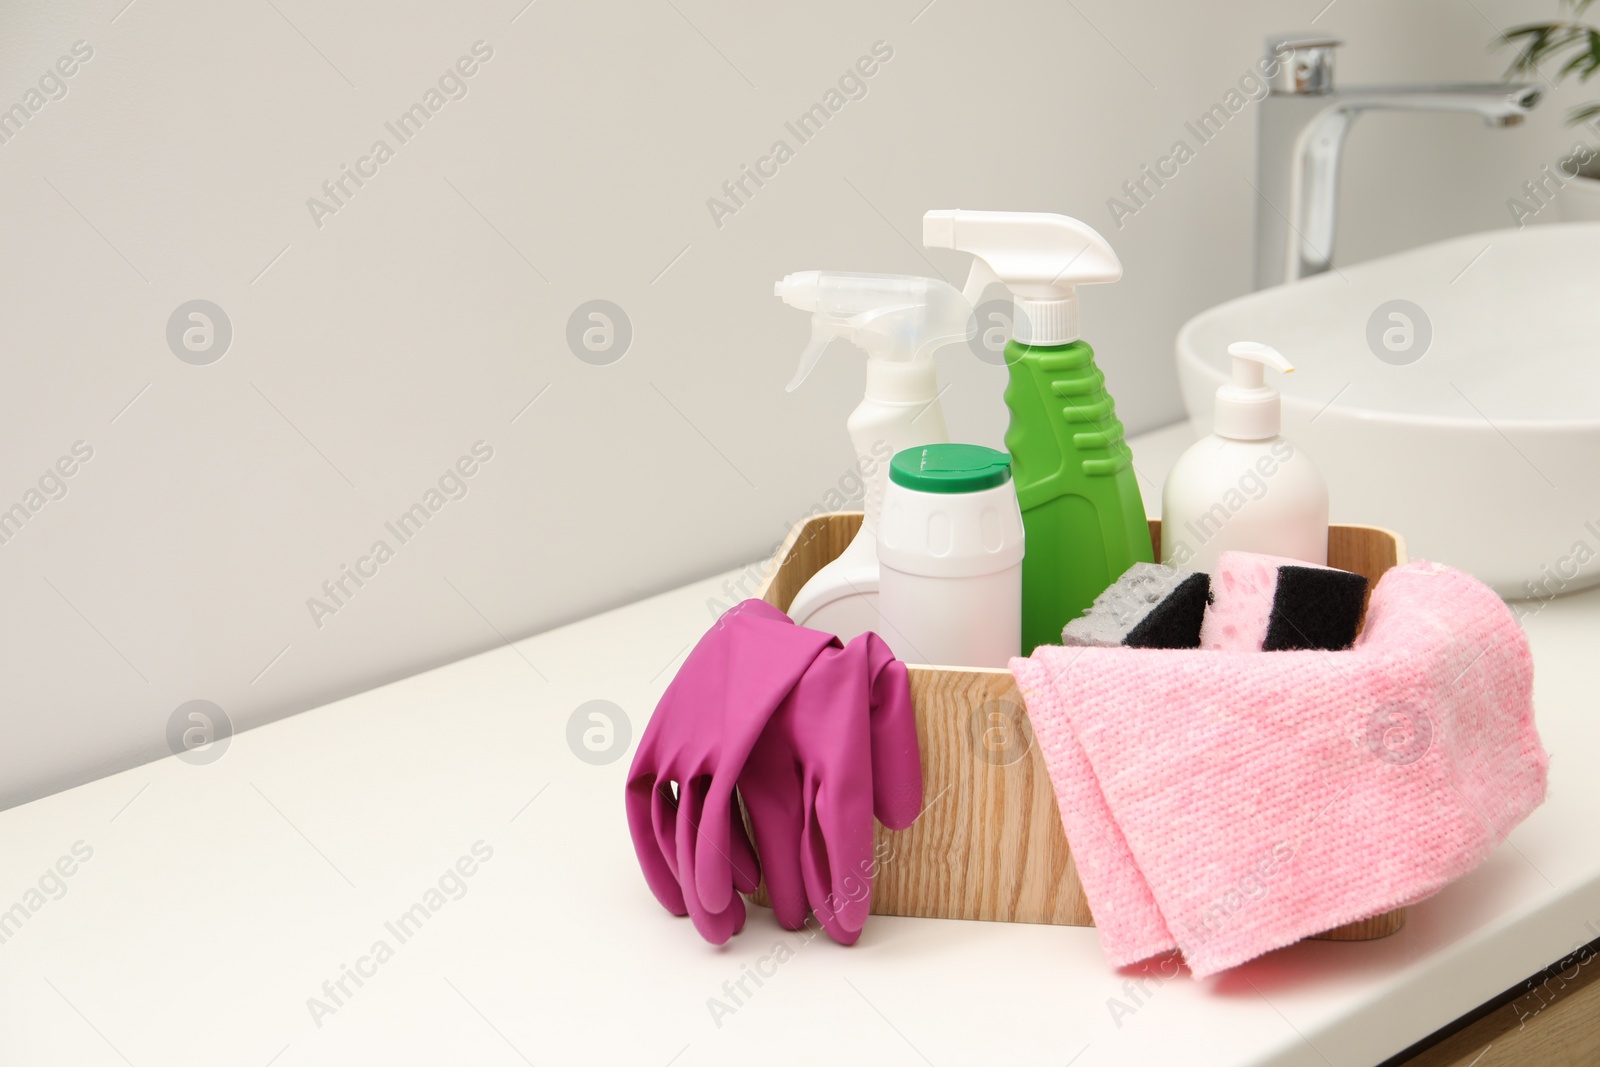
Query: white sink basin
{"type": "Point", "coordinates": [1482, 444]}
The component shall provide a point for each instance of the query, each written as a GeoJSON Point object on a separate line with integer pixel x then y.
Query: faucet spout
{"type": "Point", "coordinates": [1303, 123]}
{"type": "Point", "coordinates": [1499, 105]}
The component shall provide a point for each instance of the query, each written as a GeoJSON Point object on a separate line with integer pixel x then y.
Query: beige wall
{"type": "Point", "coordinates": [374, 345]}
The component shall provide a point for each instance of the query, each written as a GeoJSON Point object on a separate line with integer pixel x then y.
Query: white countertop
{"type": "Point", "coordinates": [219, 898]}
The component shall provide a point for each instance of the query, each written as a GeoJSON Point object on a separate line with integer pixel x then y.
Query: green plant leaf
{"type": "Point", "coordinates": [1540, 42]}
{"type": "Point", "coordinates": [1578, 43]}
{"type": "Point", "coordinates": [1534, 45]}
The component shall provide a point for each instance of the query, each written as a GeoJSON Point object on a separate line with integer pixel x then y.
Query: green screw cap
{"type": "Point", "coordinates": [950, 468]}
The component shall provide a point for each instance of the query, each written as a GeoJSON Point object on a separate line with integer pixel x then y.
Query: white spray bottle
{"type": "Point", "coordinates": [900, 321]}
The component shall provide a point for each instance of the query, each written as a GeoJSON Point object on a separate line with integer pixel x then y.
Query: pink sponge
{"type": "Point", "coordinates": [1227, 804]}
{"type": "Point", "coordinates": [1268, 603]}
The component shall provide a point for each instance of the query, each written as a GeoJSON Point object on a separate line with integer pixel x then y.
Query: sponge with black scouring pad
{"type": "Point", "coordinates": [1271, 604]}
{"type": "Point", "coordinates": [1150, 606]}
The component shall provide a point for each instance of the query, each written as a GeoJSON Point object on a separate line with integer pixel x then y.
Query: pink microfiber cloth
{"type": "Point", "coordinates": [1229, 803]}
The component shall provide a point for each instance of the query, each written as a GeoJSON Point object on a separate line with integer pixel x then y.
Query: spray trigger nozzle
{"type": "Point", "coordinates": [821, 334]}
{"type": "Point", "coordinates": [1041, 258]}
{"type": "Point", "coordinates": [979, 278]}
{"type": "Point", "coordinates": [897, 319]}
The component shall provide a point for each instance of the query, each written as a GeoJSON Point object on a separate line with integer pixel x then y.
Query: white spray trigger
{"type": "Point", "coordinates": [896, 319]}
{"type": "Point", "coordinates": [979, 279]}
{"type": "Point", "coordinates": [821, 334]}
{"type": "Point", "coordinates": [1042, 258]}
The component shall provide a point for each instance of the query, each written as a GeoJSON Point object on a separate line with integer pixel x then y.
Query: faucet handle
{"type": "Point", "coordinates": [1300, 64]}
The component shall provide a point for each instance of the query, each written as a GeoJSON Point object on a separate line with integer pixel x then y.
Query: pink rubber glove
{"type": "Point", "coordinates": [690, 841]}
{"type": "Point", "coordinates": [842, 748]}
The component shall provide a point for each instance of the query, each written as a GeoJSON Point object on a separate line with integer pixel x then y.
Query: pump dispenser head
{"type": "Point", "coordinates": [1247, 408]}
{"type": "Point", "coordinates": [1042, 258]}
{"type": "Point", "coordinates": [900, 320]}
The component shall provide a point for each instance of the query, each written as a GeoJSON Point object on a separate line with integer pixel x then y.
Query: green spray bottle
{"type": "Point", "coordinates": [1082, 513]}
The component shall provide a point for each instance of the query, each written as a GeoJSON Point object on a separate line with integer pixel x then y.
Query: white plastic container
{"type": "Point", "coordinates": [1244, 488]}
{"type": "Point", "coordinates": [950, 557]}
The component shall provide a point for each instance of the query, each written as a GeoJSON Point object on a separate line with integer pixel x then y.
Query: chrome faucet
{"type": "Point", "coordinates": [1303, 123]}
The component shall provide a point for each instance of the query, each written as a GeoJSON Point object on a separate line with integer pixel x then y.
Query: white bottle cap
{"type": "Point", "coordinates": [1248, 409]}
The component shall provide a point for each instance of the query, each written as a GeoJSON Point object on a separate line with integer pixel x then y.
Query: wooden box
{"type": "Point", "coordinates": [990, 844]}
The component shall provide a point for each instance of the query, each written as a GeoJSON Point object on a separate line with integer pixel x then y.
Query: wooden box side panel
{"type": "Point", "coordinates": [989, 844]}
{"type": "Point", "coordinates": [810, 546]}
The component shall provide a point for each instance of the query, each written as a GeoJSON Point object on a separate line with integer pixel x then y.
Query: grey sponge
{"type": "Point", "coordinates": [1150, 606]}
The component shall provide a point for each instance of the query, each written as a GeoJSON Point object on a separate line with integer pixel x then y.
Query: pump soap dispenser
{"type": "Point", "coordinates": [1245, 488]}
{"type": "Point", "coordinates": [900, 321]}
{"type": "Point", "coordinates": [1081, 509]}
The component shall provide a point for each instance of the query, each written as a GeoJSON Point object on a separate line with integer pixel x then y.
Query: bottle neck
{"type": "Point", "coordinates": [901, 383]}
{"type": "Point", "coordinates": [1247, 414]}
{"type": "Point", "coordinates": [1026, 347]}
{"type": "Point", "coordinates": [1045, 321]}
{"type": "Point", "coordinates": [1049, 359]}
